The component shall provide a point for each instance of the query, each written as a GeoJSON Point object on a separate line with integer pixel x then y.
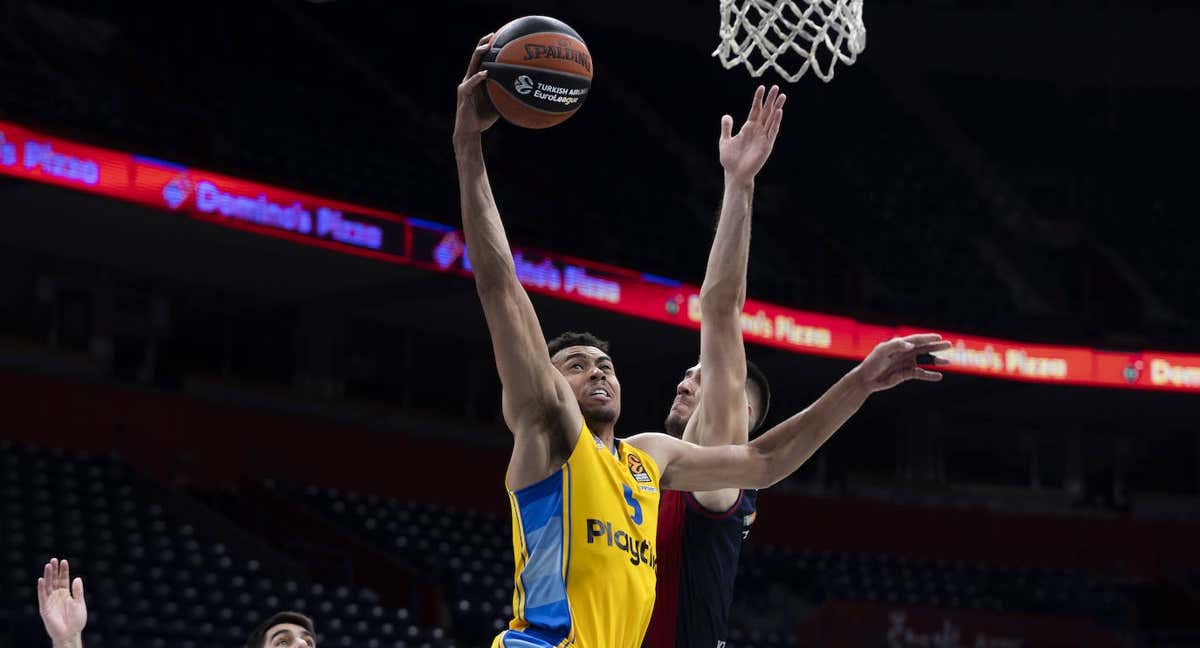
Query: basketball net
{"type": "Point", "coordinates": [757, 33]}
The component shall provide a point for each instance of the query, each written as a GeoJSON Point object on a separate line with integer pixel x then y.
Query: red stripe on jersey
{"type": "Point", "coordinates": [661, 633]}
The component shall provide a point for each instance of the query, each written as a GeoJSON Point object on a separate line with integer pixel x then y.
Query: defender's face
{"type": "Point", "coordinates": [687, 395]}
{"type": "Point", "coordinates": [289, 635]}
{"type": "Point", "coordinates": [593, 379]}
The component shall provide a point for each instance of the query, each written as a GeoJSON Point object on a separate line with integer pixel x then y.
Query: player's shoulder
{"type": "Point", "coordinates": [654, 446]}
{"type": "Point", "coordinates": [646, 441]}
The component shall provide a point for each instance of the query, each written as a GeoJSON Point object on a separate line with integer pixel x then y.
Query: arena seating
{"type": "Point", "coordinates": [958, 584]}
{"type": "Point", "coordinates": [160, 581]}
{"type": "Point", "coordinates": [471, 552]}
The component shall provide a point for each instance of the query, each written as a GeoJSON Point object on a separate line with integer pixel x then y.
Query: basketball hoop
{"type": "Point", "coordinates": [756, 33]}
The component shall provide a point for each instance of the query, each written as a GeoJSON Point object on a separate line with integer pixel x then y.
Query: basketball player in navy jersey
{"type": "Point", "coordinates": [700, 533]}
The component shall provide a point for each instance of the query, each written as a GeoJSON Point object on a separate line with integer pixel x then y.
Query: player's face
{"type": "Point", "coordinates": [593, 378]}
{"type": "Point", "coordinates": [289, 635]}
{"type": "Point", "coordinates": [687, 395]}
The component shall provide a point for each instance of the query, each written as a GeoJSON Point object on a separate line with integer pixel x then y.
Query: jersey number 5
{"type": "Point", "coordinates": [636, 517]}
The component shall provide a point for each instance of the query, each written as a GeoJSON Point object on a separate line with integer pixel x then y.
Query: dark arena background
{"type": "Point", "coordinates": [216, 414]}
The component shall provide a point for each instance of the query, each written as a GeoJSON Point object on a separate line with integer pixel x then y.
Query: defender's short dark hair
{"type": "Point", "coordinates": [755, 377]}
{"type": "Point", "coordinates": [259, 634]}
{"type": "Point", "coordinates": [575, 338]}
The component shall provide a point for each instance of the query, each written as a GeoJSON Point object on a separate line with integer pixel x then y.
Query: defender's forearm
{"type": "Point", "coordinates": [724, 287]}
{"type": "Point", "coordinates": [721, 417]}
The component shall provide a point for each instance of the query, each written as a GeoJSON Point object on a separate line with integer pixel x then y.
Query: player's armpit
{"type": "Point", "coordinates": [719, 501]}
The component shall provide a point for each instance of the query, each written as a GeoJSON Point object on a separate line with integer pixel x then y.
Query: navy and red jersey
{"type": "Point", "coordinates": [698, 554]}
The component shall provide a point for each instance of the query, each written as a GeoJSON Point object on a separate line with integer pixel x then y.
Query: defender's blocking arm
{"type": "Point", "coordinates": [785, 447]}
{"type": "Point", "coordinates": [721, 416]}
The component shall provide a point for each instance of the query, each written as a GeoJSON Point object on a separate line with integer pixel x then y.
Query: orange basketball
{"type": "Point", "coordinates": [539, 72]}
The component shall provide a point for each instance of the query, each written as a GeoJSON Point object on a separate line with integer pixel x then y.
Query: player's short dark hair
{"type": "Point", "coordinates": [575, 338]}
{"type": "Point", "coordinates": [259, 633]}
{"type": "Point", "coordinates": [758, 381]}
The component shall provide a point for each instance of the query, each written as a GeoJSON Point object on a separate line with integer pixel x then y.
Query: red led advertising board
{"type": "Point", "coordinates": [352, 229]}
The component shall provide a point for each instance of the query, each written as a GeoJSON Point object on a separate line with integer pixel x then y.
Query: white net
{"type": "Point", "coordinates": [759, 34]}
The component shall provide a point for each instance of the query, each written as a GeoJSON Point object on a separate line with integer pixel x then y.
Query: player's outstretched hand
{"type": "Point", "coordinates": [475, 113]}
{"type": "Point", "coordinates": [744, 154]}
{"type": "Point", "coordinates": [895, 361]}
{"type": "Point", "coordinates": [61, 604]}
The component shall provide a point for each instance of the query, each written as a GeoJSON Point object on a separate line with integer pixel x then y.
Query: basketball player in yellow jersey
{"type": "Point", "coordinates": [585, 504]}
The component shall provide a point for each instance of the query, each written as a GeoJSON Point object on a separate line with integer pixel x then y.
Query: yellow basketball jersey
{"type": "Point", "coordinates": [583, 542]}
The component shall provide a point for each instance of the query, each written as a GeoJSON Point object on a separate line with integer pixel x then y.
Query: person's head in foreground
{"type": "Point", "coordinates": [284, 630]}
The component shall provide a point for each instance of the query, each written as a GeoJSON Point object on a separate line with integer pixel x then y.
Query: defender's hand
{"type": "Point", "coordinates": [895, 361]}
{"type": "Point", "coordinates": [744, 155]}
{"type": "Point", "coordinates": [475, 113]}
{"type": "Point", "coordinates": [61, 604]}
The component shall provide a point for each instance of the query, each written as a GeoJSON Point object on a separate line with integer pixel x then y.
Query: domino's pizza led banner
{"type": "Point", "coordinates": [351, 229]}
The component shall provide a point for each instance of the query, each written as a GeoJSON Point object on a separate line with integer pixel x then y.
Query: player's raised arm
{"type": "Point", "coordinates": [721, 415]}
{"type": "Point", "coordinates": [536, 406]}
{"type": "Point", "coordinates": [61, 605]}
{"type": "Point", "coordinates": [784, 448]}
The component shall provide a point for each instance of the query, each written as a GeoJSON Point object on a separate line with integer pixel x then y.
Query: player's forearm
{"type": "Point", "coordinates": [520, 348]}
{"type": "Point", "coordinates": [491, 257]}
{"type": "Point", "coordinates": [723, 292]}
{"type": "Point", "coordinates": [785, 447]}
{"type": "Point", "coordinates": [721, 418]}
{"type": "Point", "coordinates": [73, 642]}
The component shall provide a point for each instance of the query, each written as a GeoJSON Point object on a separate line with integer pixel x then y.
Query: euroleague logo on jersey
{"type": "Point", "coordinates": [636, 468]}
